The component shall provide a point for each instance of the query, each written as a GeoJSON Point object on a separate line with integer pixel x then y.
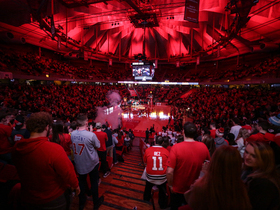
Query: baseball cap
{"type": "Point", "coordinates": [98, 125]}
{"type": "Point", "coordinates": [275, 120]}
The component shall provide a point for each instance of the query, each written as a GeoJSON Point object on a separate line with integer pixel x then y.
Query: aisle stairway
{"type": "Point", "coordinates": [123, 188]}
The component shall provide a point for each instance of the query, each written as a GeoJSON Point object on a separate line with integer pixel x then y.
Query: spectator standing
{"type": "Point", "coordinates": [61, 138]}
{"type": "Point", "coordinates": [44, 169]}
{"type": "Point", "coordinates": [219, 140]}
{"type": "Point", "coordinates": [210, 143]}
{"type": "Point", "coordinates": [85, 145]}
{"type": "Point", "coordinates": [213, 130]}
{"type": "Point", "coordinates": [247, 125]}
{"type": "Point", "coordinates": [204, 131]}
{"type": "Point", "coordinates": [184, 165]}
{"type": "Point", "coordinates": [169, 132]}
{"type": "Point", "coordinates": [147, 132]}
{"type": "Point", "coordinates": [275, 121]}
{"type": "Point", "coordinates": [275, 144]}
{"type": "Point", "coordinates": [109, 142]}
{"type": "Point", "coordinates": [240, 141]}
{"type": "Point", "coordinates": [180, 139]}
{"type": "Point", "coordinates": [20, 132]}
{"type": "Point", "coordinates": [165, 143]}
{"type": "Point", "coordinates": [120, 139]}
{"type": "Point", "coordinates": [73, 126]}
{"type": "Point", "coordinates": [236, 127]}
{"type": "Point", "coordinates": [102, 153]}
{"type": "Point", "coordinates": [5, 141]}
{"type": "Point", "coordinates": [262, 134]}
{"type": "Point", "coordinates": [115, 142]}
{"type": "Point", "coordinates": [260, 176]}
{"type": "Point", "coordinates": [155, 158]}
{"type": "Point", "coordinates": [131, 136]}
{"type": "Point", "coordinates": [221, 187]}
{"type": "Point", "coordinates": [164, 133]}
{"type": "Point", "coordinates": [127, 141]}
{"type": "Point", "coordinates": [172, 139]}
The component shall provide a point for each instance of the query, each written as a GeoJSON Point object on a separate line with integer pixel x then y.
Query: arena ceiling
{"type": "Point", "coordinates": [125, 30]}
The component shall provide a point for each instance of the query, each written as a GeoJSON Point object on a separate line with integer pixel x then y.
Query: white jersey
{"type": "Point", "coordinates": [114, 140]}
{"type": "Point", "coordinates": [164, 134]}
{"type": "Point", "coordinates": [84, 149]}
{"type": "Point", "coordinates": [235, 130]}
{"type": "Point", "coordinates": [172, 140]}
{"type": "Point", "coordinates": [126, 138]}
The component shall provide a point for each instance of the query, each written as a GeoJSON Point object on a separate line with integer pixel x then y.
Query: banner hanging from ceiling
{"type": "Point", "coordinates": [191, 11]}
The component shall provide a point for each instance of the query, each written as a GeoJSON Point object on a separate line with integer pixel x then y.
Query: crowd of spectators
{"type": "Point", "coordinates": [263, 69]}
{"type": "Point", "coordinates": [33, 64]}
{"type": "Point", "coordinates": [253, 166]}
{"type": "Point", "coordinates": [203, 105]}
{"type": "Point", "coordinates": [255, 70]}
{"type": "Point", "coordinates": [25, 146]}
{"type": "Point", "coordinates": [222, 117]}
{"type": "Point", "coordinates": [229, 109]}
{"type": "Point", "coordinates": [63, 102]}
{"type": "Point", "coordinates": [219, 105]}
{"type": "Point", "coordinates": [159, 93]}
{"type": "Point", "coordinates": [268, 68]}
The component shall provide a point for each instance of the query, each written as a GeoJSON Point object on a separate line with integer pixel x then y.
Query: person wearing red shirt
{"type": "Point", "coordinates": [64, 139]}
{"type": "Point", "coordinates": [213, 130]}
{"type": "Point", "coordinates": [5, 133]}
{"type": "Point", "coordinates": [277, 139]}
{"type": "Point", "coordinates": [262, 135]}
{"type": "Point", "coordinates": [247, 125]}
{"type": "Point", "coordinates": [155, 158]}
{"type": "Point", "coordinates": [19, 132]}
{"type": "Point", "coordinates": [65, 142]}
{"type": "Point", "coordinates": [102, 153]}
{"type": "Point", "coordinates": [267, 137]}
{"type": "Point", "coordinates": [120, 139]}
{"type": "Point", "coordinates": [184, 165]}
{"type": "Point", "coordinates": [44, 169]}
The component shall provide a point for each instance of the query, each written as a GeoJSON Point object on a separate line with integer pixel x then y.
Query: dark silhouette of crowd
{"type": "Point", "coordinates": [159, 93]}
{"type": "Point", "coordinates": [253, 70]}
{"type": "Point", "coordinates": [219, 105]}
{"type": "Point", "coordinates": [219, 117]}
{"type": "Point", "coordinates": [33, 64]}
{"type": "Point", "coordinates": [230, 126]}
{"type": "Point", "coordinates": [63, 102]}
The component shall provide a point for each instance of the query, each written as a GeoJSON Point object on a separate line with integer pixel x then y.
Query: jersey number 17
{"type": "Point", "coordinates": [80, 146]}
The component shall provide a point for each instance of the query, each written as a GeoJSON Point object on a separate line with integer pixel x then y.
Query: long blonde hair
{"type": "Point", "coordinates": [223, 181]}
{"type": "Point", "coordinates": [266, 163]}
{"type": "Point", "coordinates": [244, 133]}
{"type": "Point", "coordinates": [210, 143]}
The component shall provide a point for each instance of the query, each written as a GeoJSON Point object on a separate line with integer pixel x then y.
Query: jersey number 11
{"type": "Point", "coordinates": [155, 163]}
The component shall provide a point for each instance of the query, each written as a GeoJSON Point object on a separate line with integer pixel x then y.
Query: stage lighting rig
{"type": "Point", "coordinates": [144, 20]}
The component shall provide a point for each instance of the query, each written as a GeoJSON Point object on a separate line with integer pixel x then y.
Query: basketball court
{"type": "Point", "coordinates": [140, 117]}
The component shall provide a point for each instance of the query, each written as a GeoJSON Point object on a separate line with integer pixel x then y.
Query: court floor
{"type": "Point", "coordinates": [140, 117]}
